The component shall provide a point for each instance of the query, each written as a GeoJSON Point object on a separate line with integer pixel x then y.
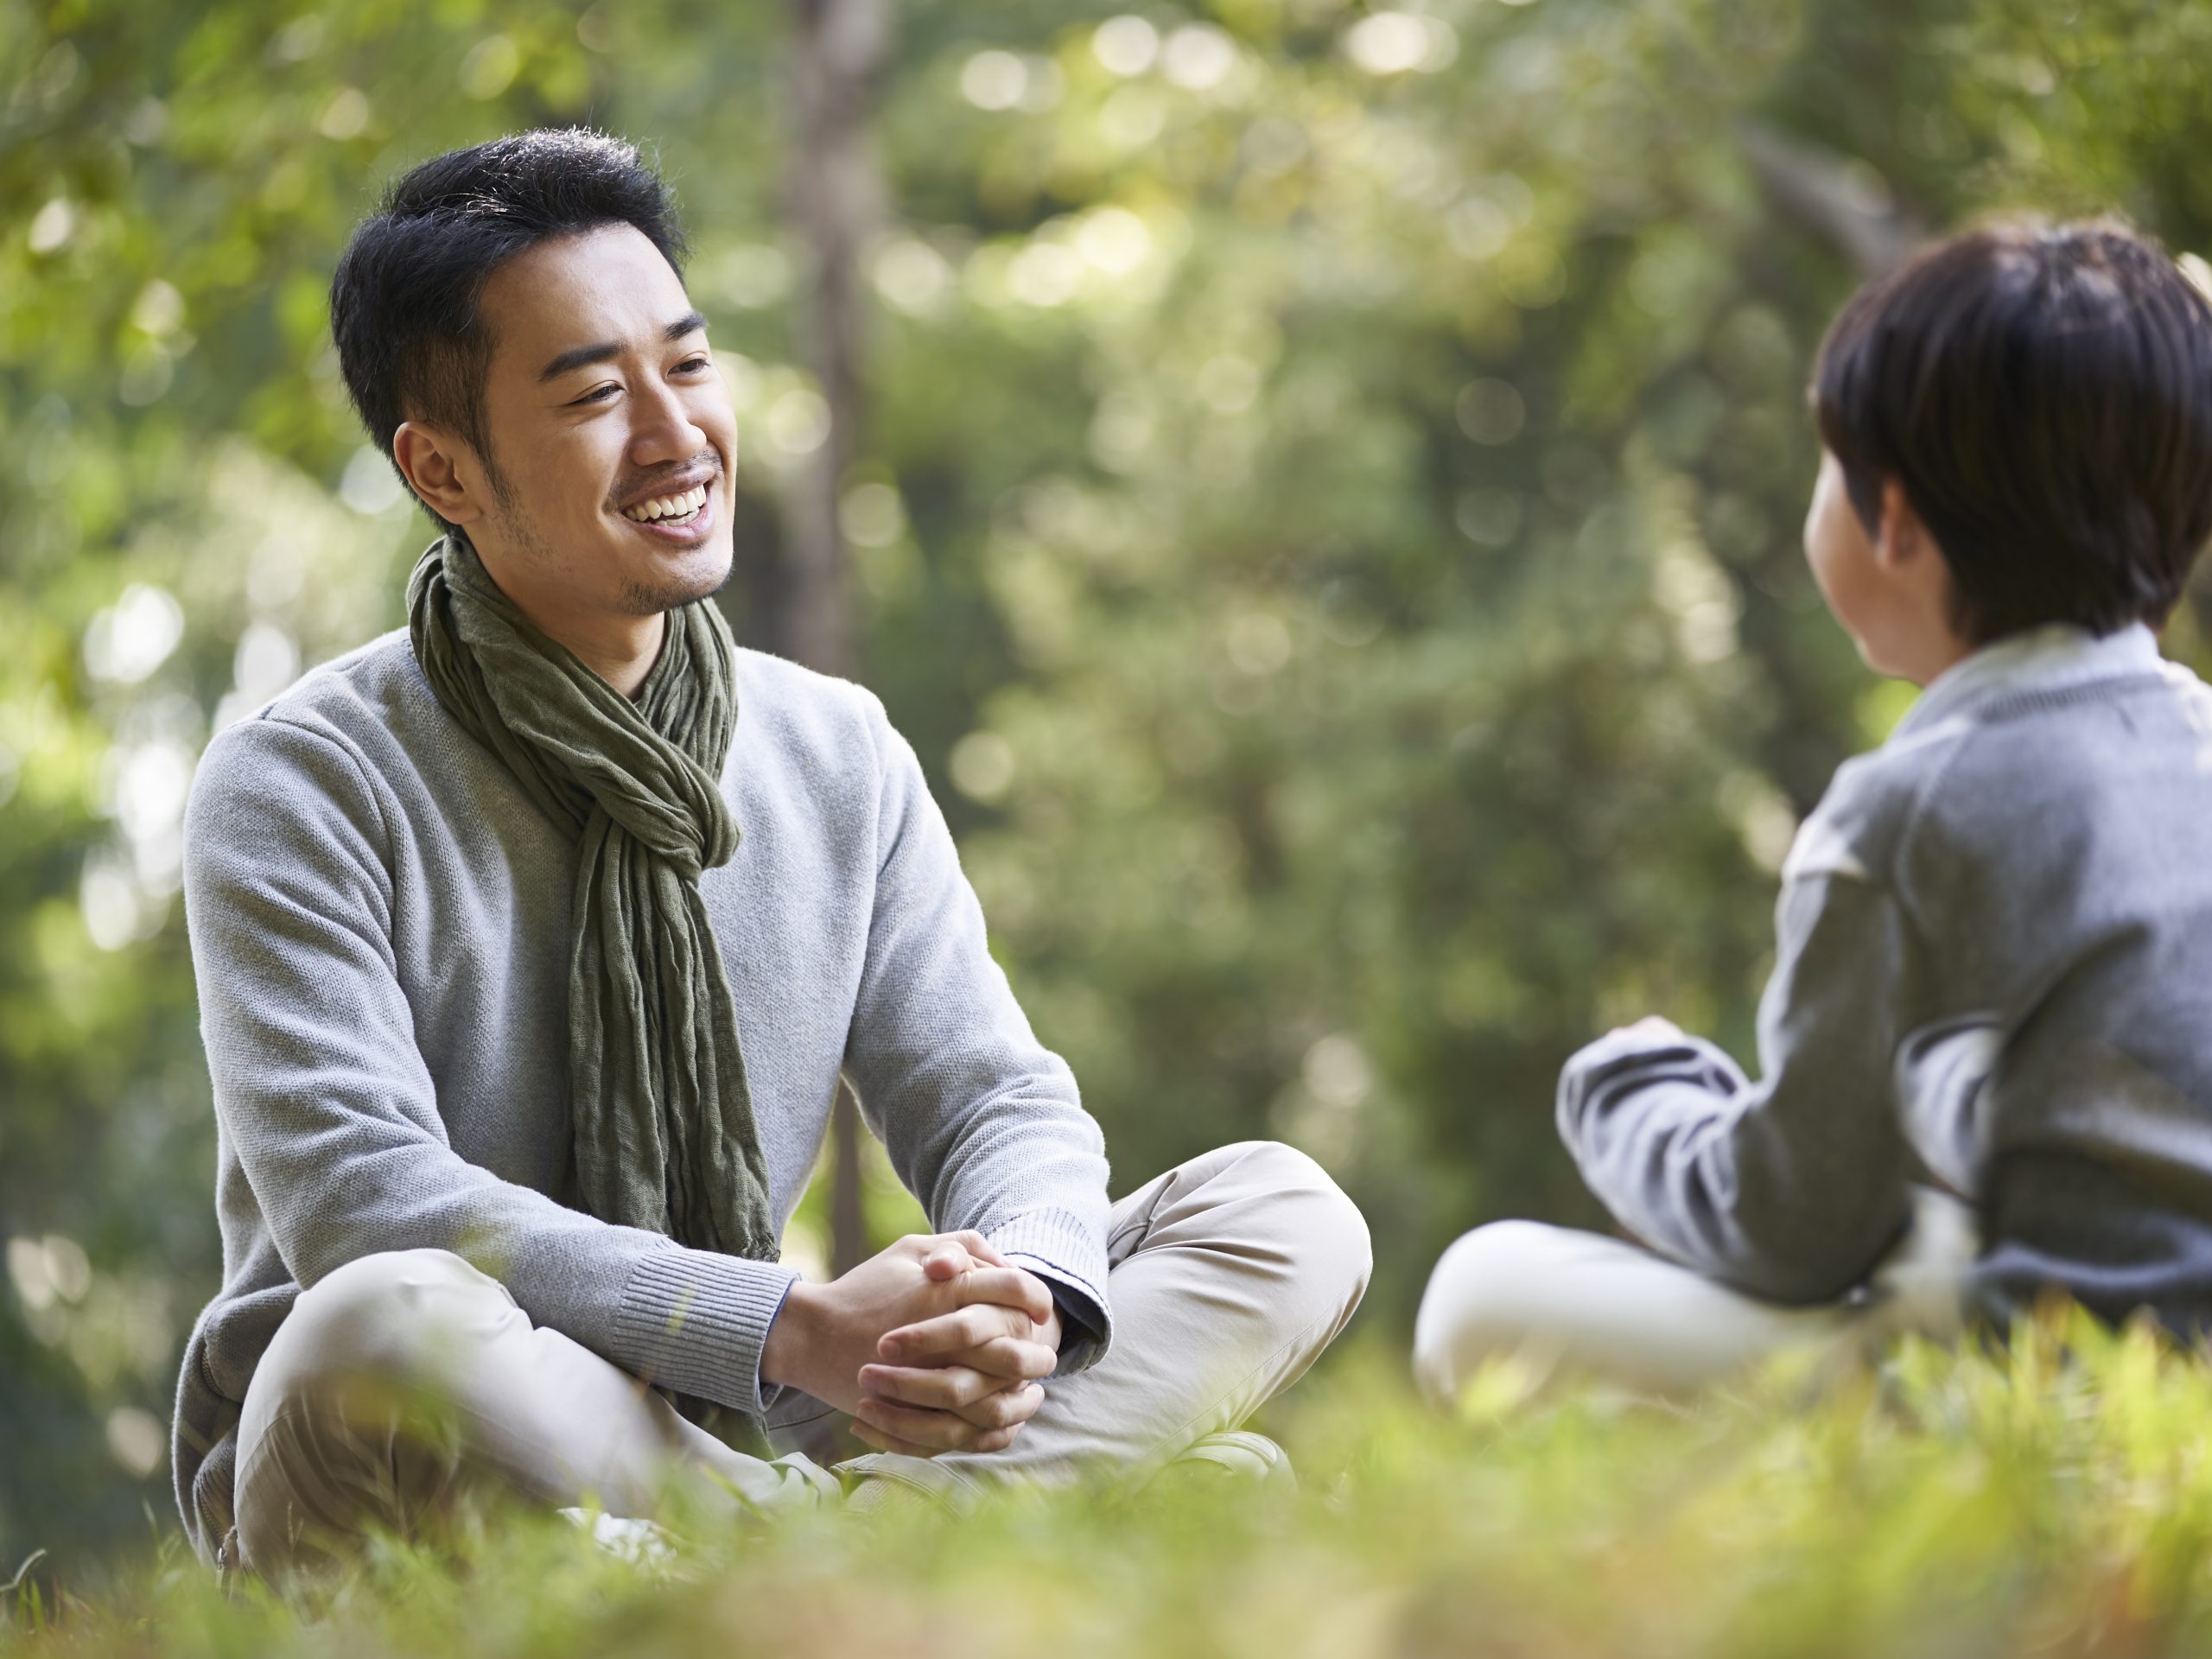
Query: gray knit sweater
{"type": "Point", "coordinates": [379, 926]}
{"type": "Point", "coordinates": [1993, 965]}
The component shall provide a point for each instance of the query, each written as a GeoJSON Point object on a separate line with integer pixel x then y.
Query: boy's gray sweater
{"type": "Point", "coordinates": [379, 926]}
{"type": "Point", "coordinates": [1994, 965]}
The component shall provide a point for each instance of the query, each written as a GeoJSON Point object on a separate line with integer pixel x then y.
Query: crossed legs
{"type": "Point", "coordinates": [1566, 1303]}
{"type": "Point", "coordinates": [403, 1380]}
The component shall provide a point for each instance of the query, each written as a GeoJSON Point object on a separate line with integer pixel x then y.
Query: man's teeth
{"type": "Point", "coordinates": [668, 506]}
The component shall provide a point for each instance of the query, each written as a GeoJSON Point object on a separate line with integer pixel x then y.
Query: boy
{"type": "Point", "coordinates": [1994, 953]}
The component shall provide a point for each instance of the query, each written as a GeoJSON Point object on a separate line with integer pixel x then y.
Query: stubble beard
{"type": "Point", "coordinates": [634, 597]}
{"type": "Point", "coordinates": [651, 599]}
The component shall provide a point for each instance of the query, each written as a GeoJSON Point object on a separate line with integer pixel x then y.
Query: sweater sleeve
{"type": "Point", "coordinates": [982, 1122]}
{"type": "Point", "coordinates": [1790, 1187]}
{"type": "Point", "coordinates": [320, 1086]}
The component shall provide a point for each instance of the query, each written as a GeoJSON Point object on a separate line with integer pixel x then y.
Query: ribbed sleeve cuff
{"type": "Point", "coordinates": [1598, 1076]}
{"type": "Point", "coordinates": [1067, 1254]}
{"type": "Point", "coordinates": [695, 1322]}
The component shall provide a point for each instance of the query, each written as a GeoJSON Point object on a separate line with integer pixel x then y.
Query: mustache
{"type": "Point", "coordinates": [647, 483]}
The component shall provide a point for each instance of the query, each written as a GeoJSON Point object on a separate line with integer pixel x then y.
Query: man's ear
{"type": "Point", "coordinates": [1900, 537]}
{"type": "Point", "coordinates": [427, 456]}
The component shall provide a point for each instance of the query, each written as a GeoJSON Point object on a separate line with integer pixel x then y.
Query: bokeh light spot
{"type": "Point", "coordinates": [1125, 45]}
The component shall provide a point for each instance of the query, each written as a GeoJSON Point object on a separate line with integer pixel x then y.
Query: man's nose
{"type": "Point", "coordinates": [664, 430]}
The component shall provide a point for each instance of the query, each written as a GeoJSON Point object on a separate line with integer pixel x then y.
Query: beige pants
{"type": "Point", "coordinates": [401, 1380]}
{"type": "Point", "coordinates": [1565, 1304]}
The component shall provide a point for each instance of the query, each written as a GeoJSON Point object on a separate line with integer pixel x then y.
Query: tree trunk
{"type": "Point", "coordinates": [833, 197]}
{"type": "Point", "coordinates": [1845, 204]}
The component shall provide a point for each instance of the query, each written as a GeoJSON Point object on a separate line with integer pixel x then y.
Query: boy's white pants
{"type": "Point", "coordinates": [1564, 1303]}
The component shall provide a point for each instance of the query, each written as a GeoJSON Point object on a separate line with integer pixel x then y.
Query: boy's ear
{"type": "Point", "coordinates": [1900, 537]}
{"type": "Point", "coordinates": [426, 455]}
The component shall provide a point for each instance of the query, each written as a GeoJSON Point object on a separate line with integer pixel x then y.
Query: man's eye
{"type": "Point", "coordinates": [599, 394]}
{"type": "Point", "coordinates": [691, 365]}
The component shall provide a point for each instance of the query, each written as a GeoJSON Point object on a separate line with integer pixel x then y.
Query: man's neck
{"type": "Point", "coordinates": [620, 650]}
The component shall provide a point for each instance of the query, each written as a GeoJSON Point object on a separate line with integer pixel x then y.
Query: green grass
{"type": "Point", "coordinates": [2055, 1498]}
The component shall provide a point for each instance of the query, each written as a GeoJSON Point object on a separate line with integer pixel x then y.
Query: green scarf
{"type": "Point", "coordinates": [661, 1123]}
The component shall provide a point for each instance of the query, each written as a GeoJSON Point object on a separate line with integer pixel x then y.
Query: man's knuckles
{"type": "Point", "coordinates": [943, 1389]}
{"type": "Point", "coordinates": [948, 1333]}
{"type": "Point", "coordinates": [1009, 1357]}
{"type": "Point", "coordinates": [1007, 1409]}
{"type": "Point", "coordinates": [940, 1430]}
{"type": "Point", "coordinates": [1018, 1293]}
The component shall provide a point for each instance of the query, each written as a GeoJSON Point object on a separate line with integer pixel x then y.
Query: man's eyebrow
{"type": "Point", "coordinates": [582, 357]}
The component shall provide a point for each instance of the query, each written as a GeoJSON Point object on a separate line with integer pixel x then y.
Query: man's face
{"type": "Point", "coordinates": [611, 430]}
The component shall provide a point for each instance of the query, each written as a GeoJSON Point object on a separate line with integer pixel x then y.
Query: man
{"type": "Point", "coordinates": [532, 940]}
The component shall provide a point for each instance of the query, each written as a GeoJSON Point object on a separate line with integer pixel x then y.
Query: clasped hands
{"type": "Point", "coordinates": [937, 1344]}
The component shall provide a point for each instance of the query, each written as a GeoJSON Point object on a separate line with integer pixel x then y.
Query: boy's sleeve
{"type": "Point", "coordinates": [1792, 1186]}
{"type": "Point", "coordinates": [983, 1122]}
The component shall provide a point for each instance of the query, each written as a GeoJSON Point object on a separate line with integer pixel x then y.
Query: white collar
{"type": "Point", "coordinates": [2046, 658]}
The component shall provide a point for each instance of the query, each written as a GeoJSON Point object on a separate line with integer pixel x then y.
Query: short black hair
{"type": "Point", "coordinates": [2043, 395]}
{"type": "Point", "coordinates": [411, 343]}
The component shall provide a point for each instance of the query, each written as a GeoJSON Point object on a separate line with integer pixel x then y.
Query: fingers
{"type": "Point", "coordinates": [963, 1378]}
{"type": "Point", "coordinates": [942, 1388]}
{"type": "Point", "coordinates": [934, 1431]}
{"type": "Point", "coordinates": [1010, 1358]}
{"type": "Point", "coordinates": [976, 1399]}
{"type": "Point", "coordinates": [950, 1333]}
{"type": "Point", "coordinates": [1007, 1409]}
{"type": "Point", "coordinates": [1009, 1287]}
{"type": "Point", "coordinates": [979, 1247]}
{"type": "Point", "coordinates": [943, 1256]}
{"type": "Point", "coordinates": [950, 1255]}
{"type": "Point", "coordinates": [999, 1302]}
{"type": "Point", "coordinates": [946, 1262]}
{"type": "Point", "coordinates": [996, 1441]}
{"type": "Point", "coordinates": [1002, 1415]}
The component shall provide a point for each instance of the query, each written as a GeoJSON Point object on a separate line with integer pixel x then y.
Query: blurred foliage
{"type": "Point", "coordinates": [1328, 524]}
{"type": "Point", "coordinates": [2049, 1500]}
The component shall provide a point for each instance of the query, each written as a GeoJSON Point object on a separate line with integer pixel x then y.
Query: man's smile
{"type": "Point", "coordinates": [669, 508]}
{"type": "Point", "coordinates": [685, 520]}
{"type": "Point", "coordinates": [679, 507]}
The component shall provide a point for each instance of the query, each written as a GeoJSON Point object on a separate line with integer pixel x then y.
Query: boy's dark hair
{"type": "Point", "coordinates": [411, 343]}
{"type": "Point", "coordinates": [2045, 397]}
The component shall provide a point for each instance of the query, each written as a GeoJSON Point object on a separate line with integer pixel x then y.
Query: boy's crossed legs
{"type": "Point", "coordinates": [1571, 1304]}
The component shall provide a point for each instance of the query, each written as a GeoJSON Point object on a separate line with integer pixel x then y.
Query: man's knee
{"type": "Point", "coordinates": [395, 1319]}
{"type": "Point", "coordinates": [1319, 1230]}
{"type": "Point", "coordinates": [368, 1361]}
